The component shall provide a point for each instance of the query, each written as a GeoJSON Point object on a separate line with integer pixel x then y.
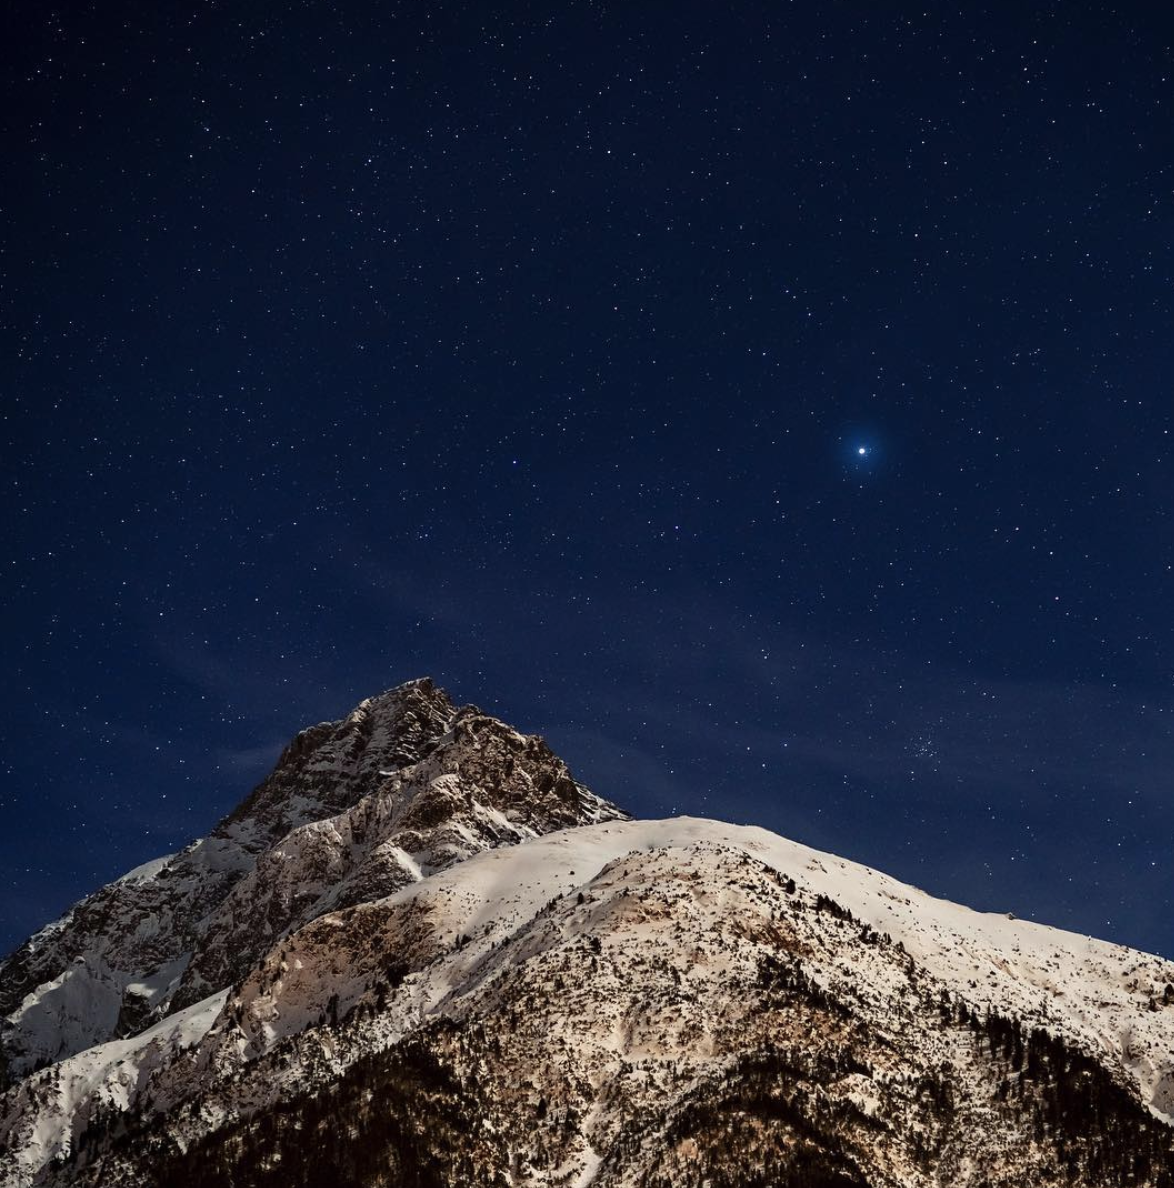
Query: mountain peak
{"type": "Point", "coordinates": [420, 697]}
{"type": "Point", "coordinates": [336, 763]}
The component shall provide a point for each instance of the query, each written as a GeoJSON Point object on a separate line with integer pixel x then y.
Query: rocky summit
{"type": "Point", "coordinates": [421, 953]}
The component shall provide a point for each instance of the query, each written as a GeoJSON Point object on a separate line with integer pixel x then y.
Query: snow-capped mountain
{"type": "Point", "coordinates": [445, 962]}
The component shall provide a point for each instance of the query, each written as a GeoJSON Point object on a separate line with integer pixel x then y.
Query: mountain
{"type": "Point", "coordinates": [433, 958]}
{"type": "Point", "coordinates": [405, 785]}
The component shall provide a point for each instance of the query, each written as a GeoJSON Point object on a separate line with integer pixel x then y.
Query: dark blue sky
{"type": "Point", "coordinates": [531, 346]}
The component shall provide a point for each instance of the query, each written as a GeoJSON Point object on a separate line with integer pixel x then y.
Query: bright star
{"type": "Point", "coordinates": [862, 451]}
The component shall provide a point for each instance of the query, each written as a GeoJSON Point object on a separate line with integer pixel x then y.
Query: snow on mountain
{"type": "Point", "coordinates": [439, 989]}
{"type": "Point", "coordinates": [47, 1114]}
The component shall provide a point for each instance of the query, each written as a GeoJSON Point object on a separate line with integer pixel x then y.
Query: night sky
{"type": "Point", "coordinates": [770, 404]}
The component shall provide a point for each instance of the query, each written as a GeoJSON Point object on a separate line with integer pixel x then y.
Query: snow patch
{"type": "Point", "coordinates": [148, 870]}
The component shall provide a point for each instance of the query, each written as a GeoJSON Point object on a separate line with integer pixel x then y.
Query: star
{"type": "Point", "coordinates": [862, 451]}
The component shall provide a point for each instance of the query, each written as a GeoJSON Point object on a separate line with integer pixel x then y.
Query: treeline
{"type": "Point", "coordinates": [397, 1119]}
{"type": "Point", "coordinates": [764, 1124]}
{"type": "Point", "coordinates": [1103, 1134]}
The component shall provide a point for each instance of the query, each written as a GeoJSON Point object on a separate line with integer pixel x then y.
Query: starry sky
{"type": "Point", "coordinates": [769, 403]}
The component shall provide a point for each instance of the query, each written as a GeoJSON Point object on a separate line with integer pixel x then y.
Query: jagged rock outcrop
{"type": "Point", "coordinates": [614, 1003]}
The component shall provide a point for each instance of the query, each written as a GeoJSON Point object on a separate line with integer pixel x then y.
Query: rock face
{"type": "Point", "coordinates": [398, 994]}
